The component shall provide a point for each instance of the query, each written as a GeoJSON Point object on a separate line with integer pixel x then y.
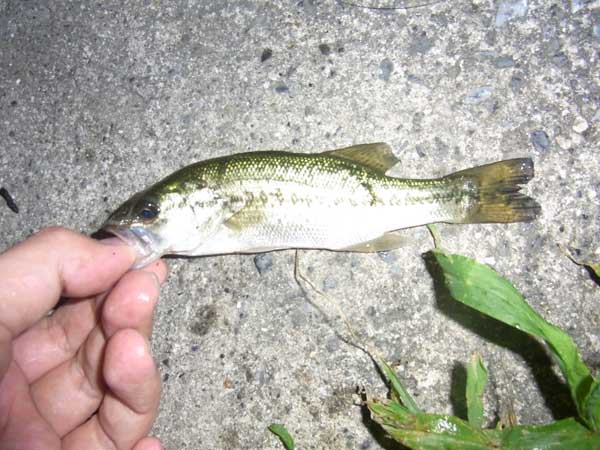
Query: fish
{"type": "Point", "coordinates": [341, 200]}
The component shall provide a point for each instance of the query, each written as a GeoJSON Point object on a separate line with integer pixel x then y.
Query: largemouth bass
{"type": "Point", "coordinates": [337, 200]}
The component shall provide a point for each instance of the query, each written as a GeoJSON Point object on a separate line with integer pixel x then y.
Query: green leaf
{"type": "Point", "coordinates": [431, 431]}
{"type": "Point", "coordinates": [436, 431]}
{"type": "Point", "coordinates": [567, 434]}
{"type": "Point", "coordinates": [480, 287]}
{"type": "Point", "coordinates": [592, 404]}
{"type": "Point", "coordinates": [397, 389]}
{"type": "Point", "coordinates": [283, 435]}
{"type": "Point", "coordinates": [477, 377]}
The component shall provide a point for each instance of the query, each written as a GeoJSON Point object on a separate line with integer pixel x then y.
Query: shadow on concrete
{"type": "Point", "coordinates": [595, 278]}
{"type": "Point", "coordinates": [375, 430]}
{"type": "Point", "coordinates": [554, 391]}
{"type": "Point", "coordinates": [458, 390]}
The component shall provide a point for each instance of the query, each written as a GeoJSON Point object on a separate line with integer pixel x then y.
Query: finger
{"type": "Point", "coordinates": [67, 395]}
{"type": "Point", "coordinates": [131, 303]}
{"type": "Point", "coordinates": [70, 393]}
{"type": "Point", "coordinates": [129, 408]}
{"type": "Point", "coordinates": [21, 426]}
{"type": "Point", "coordinates": [55, 262]}
{"type": "Point", "coordinates": [148, 443]}
{"type": "Point", "coordinates": [56, 338]}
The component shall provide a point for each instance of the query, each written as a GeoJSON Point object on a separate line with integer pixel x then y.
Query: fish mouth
{"type": "Point", "coordinates": [147, 245]}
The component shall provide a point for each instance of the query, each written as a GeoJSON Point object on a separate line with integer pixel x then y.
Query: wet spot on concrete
{"type": "Point", "coordinates": [205, 320]}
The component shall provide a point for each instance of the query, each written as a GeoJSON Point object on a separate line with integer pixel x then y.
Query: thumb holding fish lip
{"type": "Point", "coordinates": [52, 263]}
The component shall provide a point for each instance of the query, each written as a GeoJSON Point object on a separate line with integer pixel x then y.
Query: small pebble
{"type": "Point", "coordinates": [504, 62]}
{"type": "Point", "coordinates": [329, 283]}
{"type": "Point", "coordinates": [263, 262]}
{"type": "Point", "coordinates": [478, 95]}
{"type": "Point", "coordinates": [510, 9]}
{"type": "Point", "coordinates": [266, 54]}
{"type": "Point", "coordinates": [580, 125]}
{"type": "Point", "coordinates": [386, 67]}
{"type": "Point", "coordinates": [578, 5]}
{"type": "Point", "coordinates": [517, 82]}
{"type": "Point", "coordinates": [540, 140]}
{"type": "Point", "coordinates": [325, 49]}
{"type": "Point", "coordinates": [564, 142]}
{"type": "Point", "coordinates": [282, 89]}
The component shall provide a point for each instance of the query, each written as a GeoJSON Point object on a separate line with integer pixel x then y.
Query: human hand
{"type": "Point", "coordinates": [83, 377]}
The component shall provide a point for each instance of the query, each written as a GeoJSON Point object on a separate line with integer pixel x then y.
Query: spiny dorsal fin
{"type": "Point", "coordinates": [377, 156]}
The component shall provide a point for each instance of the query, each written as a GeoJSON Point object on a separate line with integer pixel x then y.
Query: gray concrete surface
{"type": "Point", "coordinates": [98, 99]}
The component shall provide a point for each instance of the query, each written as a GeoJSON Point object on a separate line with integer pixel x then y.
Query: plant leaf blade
{"type": "Point", "coordinates": [284, 436]}
{"type": "Point", "coordinates": [398, 389]}
{"type": "Point", "coordinates": [482, 288]}
{"type": "Point", "coordinates": [477, 377]}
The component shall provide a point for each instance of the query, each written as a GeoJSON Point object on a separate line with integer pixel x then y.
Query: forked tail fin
{"type": "Point", "coordinates": [495, 192]}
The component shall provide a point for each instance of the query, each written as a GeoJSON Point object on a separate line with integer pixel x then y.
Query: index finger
{"type": "Point", "coordinates": [54, 262]}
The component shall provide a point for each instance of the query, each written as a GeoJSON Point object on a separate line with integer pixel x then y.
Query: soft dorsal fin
{"type": "Point", "coordinates": [377, 156]}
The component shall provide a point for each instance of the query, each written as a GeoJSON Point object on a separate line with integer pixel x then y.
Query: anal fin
{"type": "Point", "coordinates": [385, 242]}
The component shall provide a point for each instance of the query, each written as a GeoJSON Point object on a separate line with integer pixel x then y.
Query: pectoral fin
{"type": "Point", "coordinates": [385, 242]}
{"type": "Point", "coordinates": [244, 218]}
{"type": "Point", "coordinates": [378, 156]}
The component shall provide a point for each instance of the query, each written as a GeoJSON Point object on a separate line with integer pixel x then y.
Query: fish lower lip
{"type": "Point", "coordinates": [144, 243]}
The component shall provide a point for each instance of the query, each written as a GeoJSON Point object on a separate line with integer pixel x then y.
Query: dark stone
{"type": "Point", "coordinates": [266, 54]}
{"type": "Point", "coordinates": [282, 89]}
{"type": "Point", "coordinates": [516, 82]}
{"type": "Point", "coordinates": [325, 49]}
{"type": "Point", "coordinates": [421, 43]}
{"type": "Point", "coordinates": [540, 140]}
{"type": "Point", "coordinates": [263, 262]}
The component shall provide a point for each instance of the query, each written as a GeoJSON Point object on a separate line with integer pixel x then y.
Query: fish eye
{"type": "Point", "coordinates": [148, 212]}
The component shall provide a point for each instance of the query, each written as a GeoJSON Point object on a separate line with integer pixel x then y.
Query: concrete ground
{"type": "Point", "coordinates": [99, 99]}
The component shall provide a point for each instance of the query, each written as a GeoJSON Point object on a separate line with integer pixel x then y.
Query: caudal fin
{"type": "Point", "coordinates": [495, 192]}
